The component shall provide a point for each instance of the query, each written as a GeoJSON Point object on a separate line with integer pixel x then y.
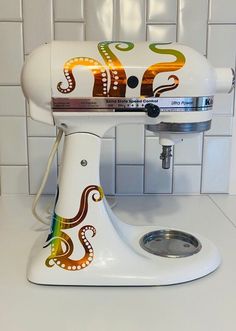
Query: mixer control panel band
{"type": "Point", "coordinates": [106, 104]}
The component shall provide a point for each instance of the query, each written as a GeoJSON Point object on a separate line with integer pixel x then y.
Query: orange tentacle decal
{"type": "Point", "coordinates": [62, 246]}
{"type": "Point", "coordinates": [147, 89]}
{"type": "Point", "coordinates": [98, 71]}
{"type": "Point", "coordinates": [116, 69]}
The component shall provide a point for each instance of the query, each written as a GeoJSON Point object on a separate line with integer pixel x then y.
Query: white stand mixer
{"type": "Point", "coordinates": [87, 88]}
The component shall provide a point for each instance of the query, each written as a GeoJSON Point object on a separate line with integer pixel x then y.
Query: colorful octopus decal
{"type": "Point", "coordinates": [117, 74]}
{"type": "Point", "coordinates": [62, 245]}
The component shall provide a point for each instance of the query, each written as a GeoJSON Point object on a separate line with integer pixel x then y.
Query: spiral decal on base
{"type": "Point", "coordinates": [62, 245]}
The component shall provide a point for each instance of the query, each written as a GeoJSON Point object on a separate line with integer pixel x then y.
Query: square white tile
{"type": "Point", "coordinates": [14, 180]}
{"type": "Point", "coordinates": [129, 179]}
{"type": "Point", "coordinates": [13, 143]}
{"type": "Point", "coordinates": [38, 23]}
{"type": "Point", "coordinates": [12, 101]}
{"type": "Point", "coordinates": [220, 126]}
{"type": "Point", "coordinates": [131, 20]}
{"type": "Point", "coordinates": [37, 129]}
{"type": "Point", "coordinates": [157, 180]}
{"type": "Point", "coordinates": [130, 144]}
{"type": "Point", "coordinates": [216, 164]}
{"type": "Point", "coordinates": [223, 104]}
{"type": "Point", "coordinates": [189, 150]}
{"type": "Point", "coordinates": [187, 179]}
{"type": "Point", "coordinates": [11, 52]}
{"type": "Point", "coordinates": [69, 31]}
{"type": "Point", "coordinates": [161, 33]}
{"type": "Point", "coordinates": [221, 46]}
{"type": "Point", "coordinates": [39, 149]}
{"type": "Point", "coordinates": [107, 166]}
{"type": "Point", "coordinates": [222, 11]}
{"type": "Point", "coordinates": [10, 10]}
{"type": "Point", "coordinates": [192, 23]}
{"type": "Point", "coordinates": [69, 10]}
{"type": "Point", "coordinates": [99, 19]}
{"type": "Point", "coordinates": [162, 11]}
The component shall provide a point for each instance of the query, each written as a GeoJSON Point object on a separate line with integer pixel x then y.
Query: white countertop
{"type": "Point", "coordinates": [207, 304]}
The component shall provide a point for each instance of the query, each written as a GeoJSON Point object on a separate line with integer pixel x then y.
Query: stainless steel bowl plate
{"type": "Point", "coordinates": [170, 243]}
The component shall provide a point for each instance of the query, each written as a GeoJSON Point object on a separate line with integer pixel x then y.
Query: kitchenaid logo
{"type": "Point", "coordinates": [208, 102]}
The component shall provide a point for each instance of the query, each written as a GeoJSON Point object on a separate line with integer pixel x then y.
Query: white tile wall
{"type": "Point", "coordinates": [14, 179]}
{"type": "Point", "coordinates": [69, 10]}
{"type": "Point", "coordinates": [157, 180]}
{"type": "Point", "coordinates": [162, 33]}
{"type": "Point", "coordinates": [39, 149]}
{"type": "Point", "coordinates": [192, 23]}
{"type": "Point", "coordinates": [13, 144]}
{"type": "Point", "coordinates": [130, 144]}
{"type": "Point", "coordinates": [11, 52]}
{"type": "Point", "coordinates": [187, 179]}
{"type": "Point", "coordinates": [38, 23]}
{"type": "Point", "coordinates": [162, 11]}
{"type": "Point", "coordinates": [69, 31]}
{"type": "Point", "coordinates": [189, 150]}
{"type": "Point", "coordinates": [12, 101]}
{"type": "Point", "coordinates": [216, 164]}
{"type": "Point", "coordinates": [130, 159]}
{"type": "Point", "coordinates": [10, 10]}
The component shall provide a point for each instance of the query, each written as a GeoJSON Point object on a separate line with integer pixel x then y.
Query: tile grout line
{"type": "Point", "coordinates": [26, 117]}
{"type": "Point", "coordinates": [221, 210]}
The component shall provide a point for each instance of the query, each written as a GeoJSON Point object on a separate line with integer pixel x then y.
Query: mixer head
{"type": "Point", "coordinates": [92, 86]}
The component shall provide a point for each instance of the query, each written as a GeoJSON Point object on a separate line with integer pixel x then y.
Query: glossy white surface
{"type": "Point", "coordinates": [10, 10]}
{"type": "Point", "coordinates": [216, 163]}
{"type": "Point", "coordinates": [205, 304]}
{"type": "Point", "coordinates": [37, 129]}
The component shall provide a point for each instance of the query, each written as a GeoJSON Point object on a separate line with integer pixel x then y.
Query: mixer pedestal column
{"type": "Point", "coordinates": [89, 245]}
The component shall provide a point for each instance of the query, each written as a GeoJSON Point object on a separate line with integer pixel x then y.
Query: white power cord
{"type": "Point", "coordinates": [111, 200]}
{"type": "Point", "coordinates": [45, 178]}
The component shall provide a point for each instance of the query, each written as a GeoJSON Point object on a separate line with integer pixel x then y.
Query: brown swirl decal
{"type": "Point", "coordinates": [62, 246]}
{"type": "Point", "coordinates": [147, 89]}
{"type": "Point", "coordinates": [98, 71]}
{"type": "Point", "coordinates": [117, 73]}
